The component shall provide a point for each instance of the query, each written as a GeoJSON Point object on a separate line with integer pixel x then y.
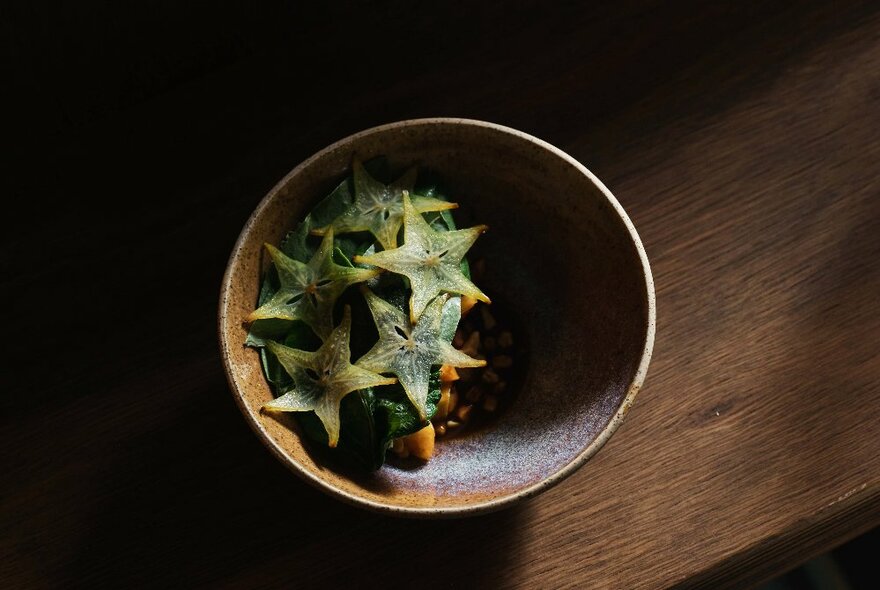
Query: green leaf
{"type": "Point", "coordinates": [297, 244]}
{"type": "Point", "coordinates": [298, 335]}
{"type": "Point", "coordinates": [302, 337]}
{"type": "Point", "coordinates": [274, 372]}
{"type": "Point", "coordinates": [360, 441]}
{"type": "Point", "coordinates": [360, 437]}
{"type": "Point", "coordinates": [269, 329]}
{"type": "Point", "coordinates": [352, 245]}
{"type": "Point", "coordinates": [396, 416]}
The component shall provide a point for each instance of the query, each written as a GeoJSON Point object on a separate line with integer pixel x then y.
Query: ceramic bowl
{"type": "Point", "coordinates": [563, 255]}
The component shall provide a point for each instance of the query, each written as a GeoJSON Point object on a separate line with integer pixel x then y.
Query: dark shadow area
{"type": "Point", "coordinates": [200, 503]}
{"type": "Point", "coordinates": [849, 567]}
{"type": "Point", "coordinates": [856, 560]}
{"type": "Point", "coordinates": [728, 60]}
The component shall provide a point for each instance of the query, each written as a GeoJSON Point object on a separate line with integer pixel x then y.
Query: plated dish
{"type": "Point", "coordinates": [572, 317]}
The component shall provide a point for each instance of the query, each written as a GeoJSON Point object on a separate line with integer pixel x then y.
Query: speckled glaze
{"type": "Point", "coordinates": [569, 262]}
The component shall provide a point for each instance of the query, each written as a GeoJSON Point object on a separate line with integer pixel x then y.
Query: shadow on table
{"type": "Point", "coordinates": [201, 502]}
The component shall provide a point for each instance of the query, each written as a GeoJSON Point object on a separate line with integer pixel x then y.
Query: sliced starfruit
{"type": "Point", "coordinates": [430, 259]}
{"type": "Point", "coordinates": [323, 378]}
{"type": "Point", "coordinates": [409, 350]}
{"type": "Point", "coordinates": [309, 291]}
{"type": "Point", "coordinates": [378, 208]}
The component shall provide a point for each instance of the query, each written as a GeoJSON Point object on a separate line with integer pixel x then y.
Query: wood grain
{"type": "Point", "coordinates": [743, 143]}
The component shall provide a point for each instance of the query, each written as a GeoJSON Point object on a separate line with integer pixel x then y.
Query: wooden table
{"type": "Point", "coordinates": [743, 142]}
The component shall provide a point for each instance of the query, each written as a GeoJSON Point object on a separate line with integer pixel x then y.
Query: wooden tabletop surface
{"type": "Point", "coordinates": [742, 141]}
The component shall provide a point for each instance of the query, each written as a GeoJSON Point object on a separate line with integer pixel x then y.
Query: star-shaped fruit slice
{"type": "Point", "coordinates": [409, 351]}
{"type": "Point", "coordinates": [309, 291]}
{"type": "Point", "coordinates": [378, 208]}
{"type": "Point", "coordinates": [322, 378]}
{"type": "Point", "coordinates": [430, 259]}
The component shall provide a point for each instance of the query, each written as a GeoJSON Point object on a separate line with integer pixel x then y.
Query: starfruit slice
{"type": "Point", "coordinates": [430, 259]}
{"type": "Point", "coordinates": [322, 378]}
{"type": "Point", "coordinates": [378, 207]}
{"type": "Point", "coordinates": [410, 350]}
{"type": "Point", "coordinates": [309, 291]}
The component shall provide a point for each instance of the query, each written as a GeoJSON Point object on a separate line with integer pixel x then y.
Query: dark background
{"type": "Point", "coordinates": [140, 136]}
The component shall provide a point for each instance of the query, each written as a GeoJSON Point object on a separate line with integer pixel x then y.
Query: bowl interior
{"type": "Point", "coordinates": [559, 254]}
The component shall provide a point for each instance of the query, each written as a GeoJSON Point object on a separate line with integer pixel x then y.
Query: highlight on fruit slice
{"type": "Point", "coordinates": [430, 259]}
{"type": "Point", "coordinates": [410, 350]}
{"type": "Point", "coordinates": [309, 291]}
{"type": "Point", "coordinates": [378, 208]}
{"type": "Point", "coordinates": [323, 378]}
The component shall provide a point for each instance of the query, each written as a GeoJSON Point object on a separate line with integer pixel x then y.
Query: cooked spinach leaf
{"type": "Point", "coordinates": [359, 440]}
{"type": "Point", "coordinates": [396, 416]}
